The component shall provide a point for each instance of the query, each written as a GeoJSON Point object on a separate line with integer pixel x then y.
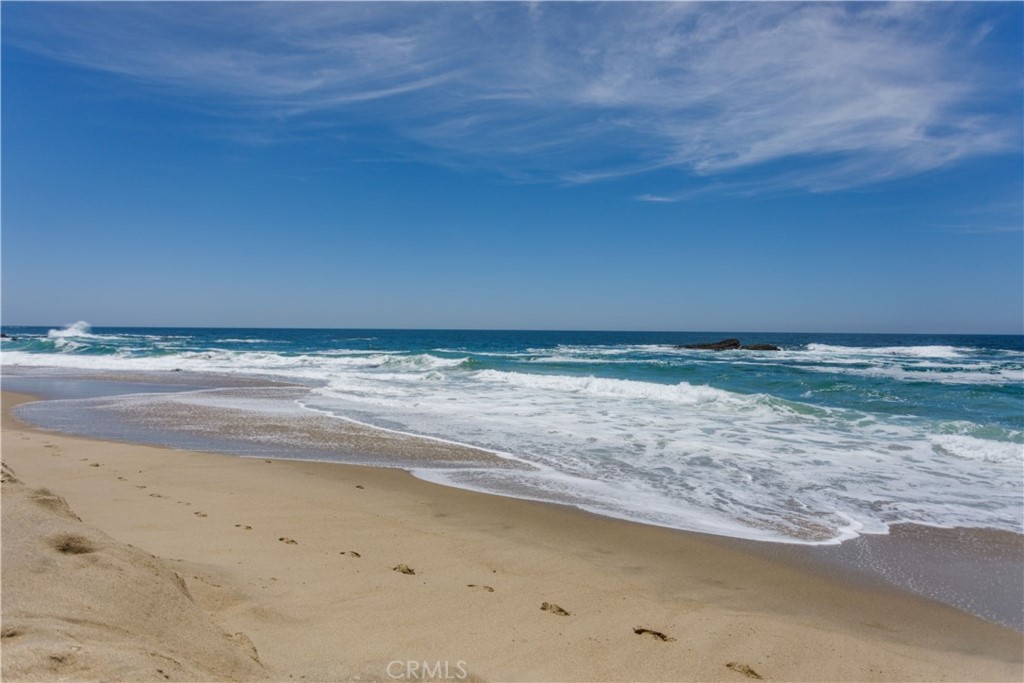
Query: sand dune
{"type": "Point", "coordinates": [78, 604]}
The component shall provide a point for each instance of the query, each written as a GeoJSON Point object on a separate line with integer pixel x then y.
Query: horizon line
{"type": "Point", "coordinates": [522, 329]}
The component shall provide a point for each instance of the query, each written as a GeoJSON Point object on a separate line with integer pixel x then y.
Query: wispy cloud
{"type": "Point", "coordinates": [655, 198]}
{"type": "Point", "coordinates": [992, 218]}
{"type": "Point", "coordinates": [843, 95]}
{"type": "Point", "coordinates": [975, 229]}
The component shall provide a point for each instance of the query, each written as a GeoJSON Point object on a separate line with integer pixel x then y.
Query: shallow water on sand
{"type": "Point", "coordinates": [978, 571]}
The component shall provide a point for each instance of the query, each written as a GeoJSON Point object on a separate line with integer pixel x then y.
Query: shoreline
{"type": "Point", "coordinates": [765, 493]}
{"type": "Point", "coordinates": [976, 570]}
{"type": "Point", "coordinates": [310, 609]}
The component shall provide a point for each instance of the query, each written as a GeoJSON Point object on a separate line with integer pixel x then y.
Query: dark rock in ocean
{"type": "Point", "coordinates": [761, 347]}
{"type": "Point", "coordinates": [730, 345]}
{"type": "Point", "coordinates": [4, 335]}
{"type": "Point", "coordinates": [724, 345]}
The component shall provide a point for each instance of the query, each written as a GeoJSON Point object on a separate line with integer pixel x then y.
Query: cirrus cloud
{"type": "Point", "coordinates": [836, 95]}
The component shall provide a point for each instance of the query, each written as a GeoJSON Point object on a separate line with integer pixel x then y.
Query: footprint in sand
{"type": "Point", "coordinates": [404, 569]}
{"type": "Point", "coordinates": [554, 609]}
{"type": "Point", "coordinates": [486, 588]}
{"type": "Point", "coordinates": [156, 495]}
{"type": "Point", "coordinates": [200, 514]}
{"type": "Point", "coordinates": [350, 553]}
{"type": "Point", "coordinates": [94, 464]}
{"type": "Point", "coordinates": [122, 479]}
{"type": "Point", "coordinates": [654, 634]}
{"type": "Point", "coordinates": [246, 527]}
{"type": "Point", "coordinates": [744, 669]}
{"type": "Point", "coordinates": [359, 486]}
{"type": "Point", "coordinates": [289, 541]}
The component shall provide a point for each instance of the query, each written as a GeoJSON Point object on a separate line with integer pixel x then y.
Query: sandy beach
{"type": "Point", "coordinates": [129, 562]}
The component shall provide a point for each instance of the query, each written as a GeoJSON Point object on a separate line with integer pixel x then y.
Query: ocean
{"type": "Point", "coordinates": [828, 438]}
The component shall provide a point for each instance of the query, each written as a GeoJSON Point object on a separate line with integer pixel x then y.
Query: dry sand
{"type": "Point", "coordinates": [193, 566]}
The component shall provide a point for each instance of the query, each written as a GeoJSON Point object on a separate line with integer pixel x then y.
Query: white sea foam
{"type": "Point", "coordinates": [616, 388]}
{"type": "Point", "coordinates": [601, 351]}
{"type": "Point", "coordinates": [935, 364]}
{"type": "Point", "coordinates": [983, 450]}
{"type": "Point", "coordinates": [67, 338]}
{"type": "Point", "coordinates": [489, 354]}
{"type": "Point", "coordinates": [422, 361]}
{"type": "Point", "coordinates": [78, 329]}
{"type": "Point", "coordinates": [936, 351]}
{"type": "Point", "coordinates": [320, 366]}
{"type": "Point", "coordinates": [679, 454]}
{"type": "Point", "coordinates": [576, 360]}
{"type": "Point", "coordinates": [692, 456]}
{"type": "Point", "coordinates": [80, 336]}
{"type": "Point", "coordinates": [984, 374]}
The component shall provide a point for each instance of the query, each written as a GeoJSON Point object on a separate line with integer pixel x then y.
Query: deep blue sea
{"type": "Point", "coordinates": [833, 436]}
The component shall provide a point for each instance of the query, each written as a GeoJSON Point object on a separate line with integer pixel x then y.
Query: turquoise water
{"type": "Point", "coordinates": [833, 436]}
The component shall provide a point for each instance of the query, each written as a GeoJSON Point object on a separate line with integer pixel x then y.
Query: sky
{"type": "Point", "coordinates": [614, 166]}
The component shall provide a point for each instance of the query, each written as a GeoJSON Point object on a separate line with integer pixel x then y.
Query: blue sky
{"type": "Point", "coordinates": [722, 166]}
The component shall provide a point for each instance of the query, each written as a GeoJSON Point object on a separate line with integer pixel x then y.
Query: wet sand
{"type": "Point", "coordinates": [220, 414]}
{"type": "Point", "coordinates": [339, 572]}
